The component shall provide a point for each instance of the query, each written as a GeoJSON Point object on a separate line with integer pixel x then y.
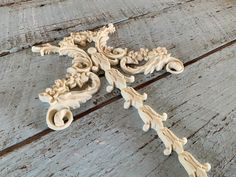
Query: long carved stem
{"type": "Point", "coordinates": [61, 97]}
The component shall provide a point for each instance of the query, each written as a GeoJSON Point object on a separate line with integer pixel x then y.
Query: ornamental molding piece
{"type": "Point", "coordinates": [81, 83]}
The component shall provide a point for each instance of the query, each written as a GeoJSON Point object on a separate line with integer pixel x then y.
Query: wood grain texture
{"type": "Point", "coordinates": [201, 105]}
{"type": "Point", "coordinates": [26, 23]}
{"type": "Point", "coordinates": [24, 74]}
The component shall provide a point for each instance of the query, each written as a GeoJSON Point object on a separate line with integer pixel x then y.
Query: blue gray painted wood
{"type": "Point", "coordinates": [189, 29]}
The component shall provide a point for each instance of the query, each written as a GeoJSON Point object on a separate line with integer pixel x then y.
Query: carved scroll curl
{"type": "Point", "coordinates": [61, 97]}
{"type": "Point", "coordinates": [59, 118]}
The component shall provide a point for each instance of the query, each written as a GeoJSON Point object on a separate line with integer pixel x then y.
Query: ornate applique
{"type": "Point", "coordinates": [81, 83]}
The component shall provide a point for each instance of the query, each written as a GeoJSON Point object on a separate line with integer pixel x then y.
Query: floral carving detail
{"type": "Point", "coordinates": [81, 83]}
{"type": "Point", "coordinates": [155, 59]}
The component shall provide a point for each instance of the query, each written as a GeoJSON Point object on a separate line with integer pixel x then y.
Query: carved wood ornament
{"type": "Point", "coordinates": [81, 83]}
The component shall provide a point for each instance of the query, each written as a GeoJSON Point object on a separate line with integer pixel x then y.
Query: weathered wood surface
{"type": "Point", "coordinates": [23, 75]}
{"type": "Point", "coordinates": [201, 106]}
{"type": "Point", "coordinates": [26, 22]}
{"type": "Point", "coordinates": [31, 22]}
{"type": "Point", "coordinates": [116, 145]}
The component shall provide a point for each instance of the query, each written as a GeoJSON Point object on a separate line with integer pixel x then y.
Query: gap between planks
{"type": "Point", "coordinates": [8, 51]}
{"type": "Point", "coordinates": [5, 52]}
{"type": "Point", "coordinates": [111, 100]}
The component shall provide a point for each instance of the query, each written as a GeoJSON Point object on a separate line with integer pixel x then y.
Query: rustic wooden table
{"type": "Point", "coordinates": [104, 139]}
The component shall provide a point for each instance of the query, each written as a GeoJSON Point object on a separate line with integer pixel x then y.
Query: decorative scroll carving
{"type": "Point", "coordinates": [81, 83]}
{"type": "Point", "coordinates": [61, 96]}
{"type": "Point", "coordinates": [155, 59]}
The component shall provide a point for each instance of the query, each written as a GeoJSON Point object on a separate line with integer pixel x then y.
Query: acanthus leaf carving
{"type": "Point", "coordinates": [101, 44]}
{"type": "Point", "coordinates": [132, 97]}
{"type": "Point", "coordinates": [81, 83]}
{"type": "Point", "coordinates": [193, 167]}
{"type": "Point", "coordinates": [151, 118]}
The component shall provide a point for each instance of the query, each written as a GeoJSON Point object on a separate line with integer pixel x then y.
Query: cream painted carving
{"type": "Point", "coordinates": [132, 97]}
{"type": "Point", "coordinates": [192, 166]}
{"type": "Point", "coordinates": [151, 119]}
{"type": "Point", "coordinates": [81, 83]}
{"type": "Point", "coordinates": [155, 59]}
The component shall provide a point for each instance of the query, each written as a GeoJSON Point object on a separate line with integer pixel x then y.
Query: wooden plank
{"type": "Point", "coordinates": [110, 142]}
{"type": "Point", "coordinates": [229, 167]}
{"type": "Point", "coordinates": [23, 115]}
{"type": "Point", "coordinates": [24, 3]}
{"type": "Point", "coordinates": [26, 23]}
